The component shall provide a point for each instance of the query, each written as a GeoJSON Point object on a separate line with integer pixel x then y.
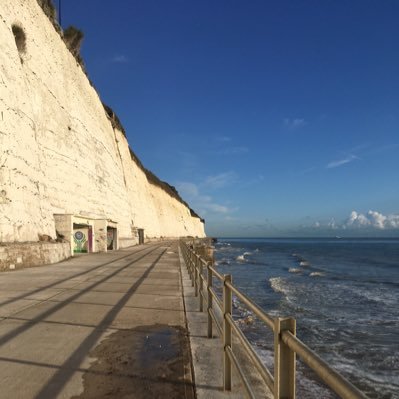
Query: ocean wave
{"type": "Point", "coordinates": [316, 274]}
{"type": "Point", "coordinates": [298, 257]}
{"type": "Point", "coordinates": [307, 388]}
{"type": "Point", "coordinates": [224, 249]}
{"type": "Point", "coordinates": [304, 263]}
{"type": "Point", "coordinates": [267, 356]}
{"type": "Point", "coordinates": [278, 284]}
{"type": "Point", "coordinates": [376, 295]}
{"type": "Point", "coordinates": [242, 258]}
{"type": "Point", "coordinates": [245, 316]}
{"type": "Point", "coordinates": [294, 270]}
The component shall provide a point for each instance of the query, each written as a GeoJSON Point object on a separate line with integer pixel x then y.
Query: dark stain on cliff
{"type": "Point", "coordinates": [144, 362]}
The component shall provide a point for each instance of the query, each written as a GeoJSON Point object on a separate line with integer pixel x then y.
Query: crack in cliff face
{"type": "Point", "coordinates": [120, 157]}
{"type": "Point", "coordinates": [46, 86]}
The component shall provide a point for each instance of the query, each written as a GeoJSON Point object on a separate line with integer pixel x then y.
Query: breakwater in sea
{"type": "Point", "coordinates": [343, 293]}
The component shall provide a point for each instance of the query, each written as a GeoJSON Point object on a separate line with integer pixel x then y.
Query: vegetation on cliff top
{"type": "Point", "coordinates": [50, 11]}
{"type": "Point", "coordinates": [73, 38]}
{"type": "Point", "coordinates": [115, 122]}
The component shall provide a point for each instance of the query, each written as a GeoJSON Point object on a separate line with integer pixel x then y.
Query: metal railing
{"type": "Point", "coordinates": [286, 343]}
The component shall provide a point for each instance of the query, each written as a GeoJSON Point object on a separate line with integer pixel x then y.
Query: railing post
{"type": "Point", "coordinates": [195, 274]}
{"type": "Point", "coordinates": [209, 284]}
{"type": "Point", "coordinates": [201, 284]}
{"type": "Point", "coordinates": [227, 309]}
{"type": "Point", "coordinates": [192, 267]}
{"type": "Point", "coordinates": [284, 360]}
{"type": "Point", "coordinates": [190, 271]}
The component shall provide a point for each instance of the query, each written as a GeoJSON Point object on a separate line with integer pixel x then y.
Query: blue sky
{"type": "Point", "coordinates": [271, 118]}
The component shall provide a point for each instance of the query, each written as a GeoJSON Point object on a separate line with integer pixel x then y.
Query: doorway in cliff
{"type": "Point", "coordinates": [141, 235]}
{"type": "Point", "coordinates": [112, 238]}
{"type": "Point", "coordinates": [83, 238]}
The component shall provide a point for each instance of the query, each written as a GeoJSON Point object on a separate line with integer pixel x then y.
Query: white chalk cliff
{"type": "Point", "coordinates": [59, 151]}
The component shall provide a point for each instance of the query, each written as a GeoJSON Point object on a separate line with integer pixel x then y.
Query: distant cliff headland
{"type": "Point", "coordinates": [65, 163]}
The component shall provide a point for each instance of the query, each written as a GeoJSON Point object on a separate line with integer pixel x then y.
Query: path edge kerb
{"type": "Point", "coordinates": [190, 352]}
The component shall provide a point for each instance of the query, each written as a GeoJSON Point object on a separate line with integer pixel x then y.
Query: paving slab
{"type": "Point", "coordinates": [62, 325]}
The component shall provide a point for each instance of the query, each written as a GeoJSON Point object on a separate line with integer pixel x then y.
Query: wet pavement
{"type": "Point", "coordinates": [144, 362]}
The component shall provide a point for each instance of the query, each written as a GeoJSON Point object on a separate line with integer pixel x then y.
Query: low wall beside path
{"type": "Point", "coordinates": [21, 255]}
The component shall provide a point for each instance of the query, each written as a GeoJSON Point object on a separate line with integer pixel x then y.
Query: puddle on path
{"type": "Point", "coordinates": [144, 362]}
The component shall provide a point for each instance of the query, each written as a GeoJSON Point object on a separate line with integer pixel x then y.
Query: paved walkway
{"type": "Point", "coordinates": [96, 325]}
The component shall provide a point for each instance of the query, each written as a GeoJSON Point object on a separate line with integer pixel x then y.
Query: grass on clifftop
{"type": "Point", "coordinates": [73, 38]}
{"type": "Point", "coordinates": [49, 10]}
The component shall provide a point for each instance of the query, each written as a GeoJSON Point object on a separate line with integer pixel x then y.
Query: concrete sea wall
{"type": "Point", "coordinates": [59, 151]}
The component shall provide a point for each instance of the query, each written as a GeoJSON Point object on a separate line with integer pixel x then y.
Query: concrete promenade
{"type": "Point", "coordinates": [100, 325]}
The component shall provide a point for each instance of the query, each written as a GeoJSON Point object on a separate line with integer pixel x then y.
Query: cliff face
{"type": "Point", "coordinates": [59, 153]}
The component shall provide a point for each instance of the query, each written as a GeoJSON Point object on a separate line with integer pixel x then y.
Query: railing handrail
{"type": "Point", "coordinates": [286, 343]}
{"type": "Point", "coordinates": [339, 384]}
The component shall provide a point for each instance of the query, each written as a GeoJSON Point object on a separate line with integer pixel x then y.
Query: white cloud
{"type": "Point", "coordinates": [372, 219]}
{"type": "Point", "coordinates": [119, 59]}
{"type": "Point", "coordinates": [233, 150]}
{"type": "Point", "coordinates": [202, 203]}
{"type": "Point", "coordinates": [223, 139]}
{"type": "Point", "coordinates": [256, 180]}
{"type": "Point", "coordinates": [294, 123]}
{"type": "Point", "coordinates": [340, 162]}
{"type": "Point", "coordinates": [188, 189]}
{"type": "Point", "coordinates": [332, 224]}
{"type": "Point", "coordinates": [220, 180]}
{"type": "Point", "coordinates": [215, 207]}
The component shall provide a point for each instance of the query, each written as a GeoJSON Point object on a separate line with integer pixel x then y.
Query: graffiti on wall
{"type": "Point", "coordinates": [80, 241]}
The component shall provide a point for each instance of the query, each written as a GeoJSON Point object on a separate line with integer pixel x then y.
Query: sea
{"type": "Point", "coordinates": [343, 293]}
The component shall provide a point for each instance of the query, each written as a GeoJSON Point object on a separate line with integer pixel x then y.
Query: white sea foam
{"type": "Point", "coordinates": [316, 274]}
{"type": "Point", "coordinates": [294, 270]}
{"type": "Point", "coordinates": [267, 357]}
{"type": "Point", "coordinates": [235, 302]}
{"type": "Point", "coordinates": [306, 387]}
{"type": "Point", "coordinates": [282, 286]}
{"type": "Point", "coordinates": [304, 263]}
{"type": "Point", "coordinates": [386, 297]}
{"type": "Point", "coordinates": [278, 284]}
{"type": "Point", "coordinates": [224, 248]}
{"type": "Point", "coordinates": [240, 258]}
